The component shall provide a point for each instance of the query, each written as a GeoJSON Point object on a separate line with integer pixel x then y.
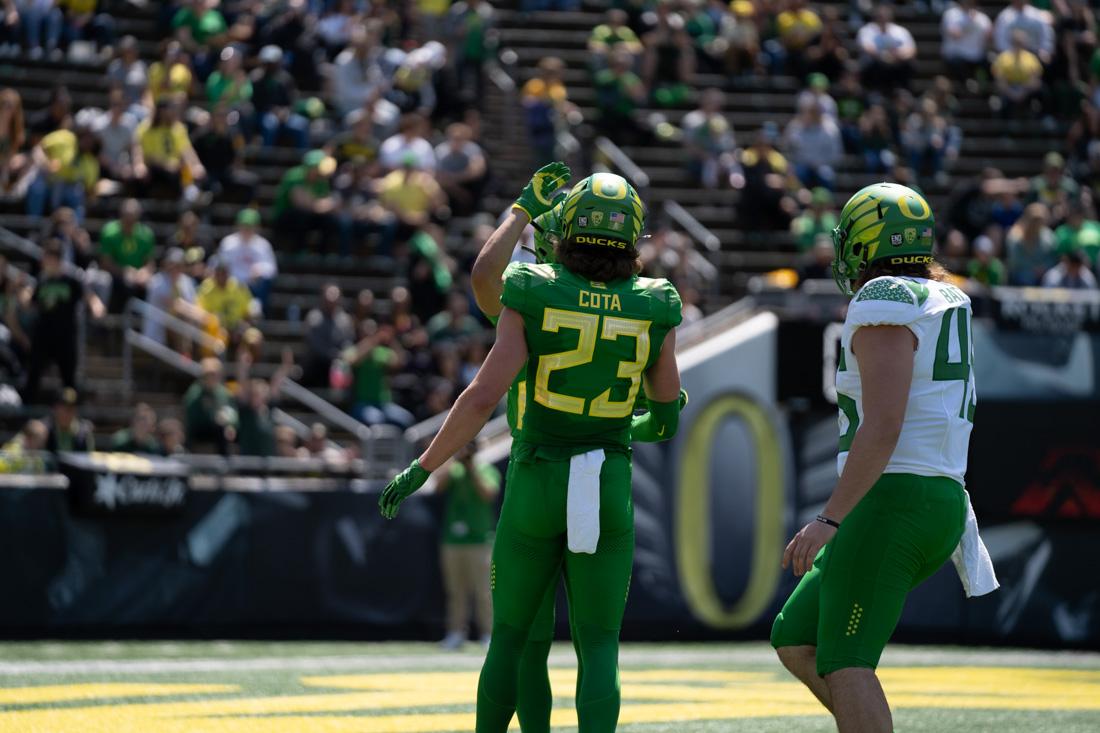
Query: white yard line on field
{"type": "Point", "coordinates": [563, 656]}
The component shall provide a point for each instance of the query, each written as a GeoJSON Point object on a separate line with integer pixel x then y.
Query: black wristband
{"type": "Point", "coordinates": [825, 520]}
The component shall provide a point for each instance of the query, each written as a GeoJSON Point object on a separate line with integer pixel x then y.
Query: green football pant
{"type": "Point", "coordinates": [534, 698]}
{"type": "Point", "coordinates": [529, 551]}
{"type": "Point", "coordinates": [848, 605]}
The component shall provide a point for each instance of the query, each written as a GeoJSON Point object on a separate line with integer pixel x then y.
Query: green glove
{"type": "Point", "coordinates": [683, 398]}
{"type": "Point", "coordinates": [538, 196]}
{"type": "Point", "coordinates": [403, 484]}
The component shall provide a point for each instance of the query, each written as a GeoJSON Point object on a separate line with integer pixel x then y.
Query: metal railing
{"type": "Point", "coordinates": [692, 226]}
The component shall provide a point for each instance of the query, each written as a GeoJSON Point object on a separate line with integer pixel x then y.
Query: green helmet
{"type": "Point", "coordinates": [882, 221]}
{"type": "Point", "coordinates": [548, 234]}
{"type": "Point", "coordinates": [603, 210]}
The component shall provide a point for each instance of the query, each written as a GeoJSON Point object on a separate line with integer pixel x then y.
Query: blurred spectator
{"type": "Point", "coordinates": [876, 139]}
{"type": "Point", "coordinates": [887, 52]}
{"type": "Point", "coordinates": [984, 267]}
{"type": "Point", "coordinates": [172, 291]}
{"type": "Point", "coordinates": [220, 149]}
{"type": "Point", "coordinates": [814, 145]}
{"type": "Point", "coordinates": [67, 431]}
{"type": "Point", "coordinates": [83, 23]}
{"type": "Point", "coordinates": [1034, 24]}
{"type": "Point", "coordinates": [249, 256]}
{"type": "Point", "coordinates": [76, 243]}
{"type": "Point", "coordinates": [461, 169]}
{"type": "Point", "coordinates": [413, 196]}
{"type": "Point", "coordinates": [357, 73]}
{"type": "Point", "coordinates": [764, 203]}
{"type": "Point", "coordinates": [1071, 272]}
{"type": "Point", "coordinates": [140, 437]}
{"type": "Point", "coordinates": [163, 158]}
{"type": "Point", "coordinates": [208, 409]}
{"type": "Point", "coordinates": [817, 92]}
{"type": "Point", "coordinates": [274, 93]}
{"type": "Point", "coordinates": [797, 27]}
{"type": "Point", "coordinates": [817, 220]}
{"type": "Point", "coordinates": [129, 72]}
{"type": "Point", "coordinates": [1030, 247]}
{"type": "Point", "coordinates": [546, 105]}
{"type": "Point", "coordinates": [15, 303]}
{"type": "Point", "coordinates": [470, 488]}
{"type": "Point", "coordinates": [68, 164]}
{"type": "Point", "coordinates": [829, 54]}
{"type": "Point", "coordinates": [286, 443]}
{"type": "Point", "coordinates": [668, 63]}
{"type": "Point", "coordinates": [473, 40]}
{"type": "Point", "coordinates": [850, 105]}
{"type": "Point", "coordinates": [966, 32]}
{"type": "Point", "coordinates": [455, 322]}
{"type": "Point", "coordinates": [189, 233]}
{"type": "Point", "coordinates": [228, 300]}
{"type": "Point", "coordinates": [412, 88]}
{"type": "Point", "coordinates": [970, 210]}
{"type": "Point", "coordinates": [229, 85]}
{"type": "Point", "coordinates": [612, 35]}
{"type": "Point", "coordinates": [1076, 40]}
{"type": "Point", "coordinates": [171, 437]}
{"type": "Point", "coordinates": [57, 299]}
{"type": "Point", "coordinates": [170, 77]}
{"type": "Point", "coordinates": [924, 139]}
{"type": "Point", "coordinates": [357, 142]}
{"type": "Point", "coordinates": [318, 446]}
{"type": "Point", "coordinates": [18, 454]}
{"type": "Point", "coordinates": [709, 140]}
{"type": "Point", "coordinates": [619, 93]}
{"type": "Point", "coordinates": [817, 260]}
{"type": "Point", "coordinates": [1079, 233]}
{"type": "Point", "coordinates": [255, 424]}
{"type": "Point", "coordinates": [126, 247]}
{"type": "Point", "coordinates": [304, 205]}
{"type": "Point", "coordinates": [1018, 76]}
{"type": "Point", "coordinates": [14, 165]}
{"type": "Point", "coordinates": [57, 114]}
{"type": "Point", "coordinates": [372, 360]}
{"type": "Point", "coordinates": [740, 31]}
{"type": "Point", "coordinates": [1054, 187]}
{"type": "Point", "coordinates": [41, 22]}
{"type": "Point", "coordinates": [329, 330]}
{"type": "Point", "coordinates": [365, 217]}
{"type": "Point", "coordinates": [201, 29]}
{"type": "Point", "coordinates": [411, 139]}
{"type": "Point", "coordinates": [115, 129]}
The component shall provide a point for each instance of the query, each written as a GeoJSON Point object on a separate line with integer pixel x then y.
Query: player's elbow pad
{"type": "Point", "coordinates": [660, 423]}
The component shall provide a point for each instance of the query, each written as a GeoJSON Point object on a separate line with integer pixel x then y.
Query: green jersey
{"type": "Point", "coordinates": [589, 344]}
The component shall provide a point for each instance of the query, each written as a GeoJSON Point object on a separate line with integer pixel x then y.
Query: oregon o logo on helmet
{"type": "Point", "coordinates": [905, 203]}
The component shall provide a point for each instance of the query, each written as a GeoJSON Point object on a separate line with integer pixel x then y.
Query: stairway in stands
{"type": "Point", "coordinates": [986, 141]}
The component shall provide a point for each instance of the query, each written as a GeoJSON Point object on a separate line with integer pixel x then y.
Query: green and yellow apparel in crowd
{"type": "Point", "coordinates": [133, 248]}
{"type": "Point", "coordinates": [74, 166]}
{"type": "Point", "coordinates": [313, 175]}
{"type": "Point", "coordinates": [589, 343]}
{"type": "Point", "coordinates": [916, 515]}
{"type": "Point", "coordinates": [203, 25]}
{"type": "Point", "coordinates": [468, 517]}
{"type": "Point", "coordinates": [1084, 238]}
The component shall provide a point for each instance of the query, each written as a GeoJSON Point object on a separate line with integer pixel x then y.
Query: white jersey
{"type": "Point", "coordinates": [936, 433]}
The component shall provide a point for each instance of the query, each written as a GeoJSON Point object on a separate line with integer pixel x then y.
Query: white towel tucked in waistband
{"type": "Point", "coordinates": [582, 504]}
{"type": "Point", "coordinates": [972, 560]}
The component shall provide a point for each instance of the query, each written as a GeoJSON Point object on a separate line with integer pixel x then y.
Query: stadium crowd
{"type": "Point", "coordinates": [381, 105]}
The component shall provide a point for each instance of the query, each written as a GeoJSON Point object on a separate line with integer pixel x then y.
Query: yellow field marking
{"type": "Point", "coordinates": [409, 702]}
{"type": "Point", "coordinates": [102, 690]}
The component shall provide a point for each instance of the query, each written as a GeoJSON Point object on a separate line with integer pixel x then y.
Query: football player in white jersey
{"type": "Point", "coordinates": [905, 389]}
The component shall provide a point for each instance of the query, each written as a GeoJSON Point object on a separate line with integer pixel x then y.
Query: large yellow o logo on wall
{"type": "Point", "coordinates": [693, 522]}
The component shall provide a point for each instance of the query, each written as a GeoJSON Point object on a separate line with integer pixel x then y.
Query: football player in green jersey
{"type": "Point", "coordinates": [587, 332]}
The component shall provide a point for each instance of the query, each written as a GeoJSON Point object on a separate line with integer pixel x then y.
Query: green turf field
{"type": "Point", "coordinates": [226, 687]}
